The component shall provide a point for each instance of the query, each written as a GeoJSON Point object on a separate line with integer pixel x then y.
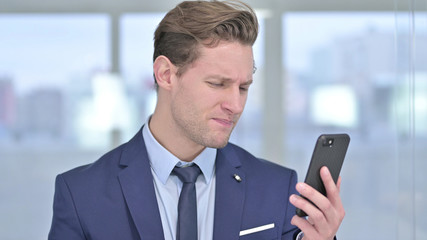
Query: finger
{"type": "Point", "coordinates": [306, 227]}
{"type": "Point", "coordinates": [339, 183]}
{"type": "Point", "coordinates": [312, 195]}
{"type": "Point", "coordinates": [310, 220]}
{"type": "Point", "coordinates": [326, 210]}
{"type": "Point", "coordinates": [333, 208]}
{"type": "Point", "coordinates": [318, 216]}
{"type": "Point", "coordinates": [303, 204]}
{"type": "Point", "coordinates": [332, 191]}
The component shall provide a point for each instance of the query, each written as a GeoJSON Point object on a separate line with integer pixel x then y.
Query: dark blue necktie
{"type": "Point", "coordinates": [187, 205]}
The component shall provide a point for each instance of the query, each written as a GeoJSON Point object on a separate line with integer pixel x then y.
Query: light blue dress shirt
{"type": "Point", "coordinates": [168, 187]}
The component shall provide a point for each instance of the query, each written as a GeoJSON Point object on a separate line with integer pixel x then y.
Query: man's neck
{"type": "Point", "coordinates": [175, 143]}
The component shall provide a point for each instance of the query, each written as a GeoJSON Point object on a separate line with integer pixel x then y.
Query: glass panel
{"type": "Point", "coordinates": [47, 64]}
{"type": "Point", "coordinates": [411, 111]}
{"type": "Point", "coordinates": [365, 74]}
{"type": "Point", "coordinates": [342, 78]}
{"type": "Point", "coordinates": [137, 33]}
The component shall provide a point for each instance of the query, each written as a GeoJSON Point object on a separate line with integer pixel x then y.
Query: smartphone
{"type": "Point", "coordinates": [329, 151]}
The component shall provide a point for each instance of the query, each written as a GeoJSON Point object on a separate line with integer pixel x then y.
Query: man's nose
{"type": "Point", "coordinates": [235, 101]}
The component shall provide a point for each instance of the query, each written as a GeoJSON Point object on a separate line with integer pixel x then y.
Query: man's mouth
{"type": "Point", "coordinates": [224, 122]}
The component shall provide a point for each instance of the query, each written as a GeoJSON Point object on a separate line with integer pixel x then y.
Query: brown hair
{"type": "Point", "coordinates": [192, 23]}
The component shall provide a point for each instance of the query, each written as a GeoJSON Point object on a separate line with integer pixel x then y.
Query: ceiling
{"type": "Point", "coordinates": [119, 6]}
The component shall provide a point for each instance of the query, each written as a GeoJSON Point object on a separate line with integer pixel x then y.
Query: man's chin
{"type": "Point", "coordinates": [222, 145]}
{"type": "Point", "coordinates": [218, 143]}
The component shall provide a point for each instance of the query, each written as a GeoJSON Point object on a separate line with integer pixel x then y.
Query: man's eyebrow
{"type": "Point", "coordinates": [218, 77]}
{"type": "Point", "coordinates": [222, 78]}
{"type": "Point", "coordinates": [249, 82]}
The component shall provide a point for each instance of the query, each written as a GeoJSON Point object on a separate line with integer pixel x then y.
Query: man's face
{"type": "Point", "coordinates": [209, 97]}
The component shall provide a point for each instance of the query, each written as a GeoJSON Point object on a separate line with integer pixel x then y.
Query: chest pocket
{"type": "Point", "coordinates": [268, 234]}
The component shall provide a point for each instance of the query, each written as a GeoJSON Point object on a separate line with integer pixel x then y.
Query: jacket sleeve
{"type": "Point", "coordinates": [290, 231]}
{"type": "Point", "coordinates": [65, 222]}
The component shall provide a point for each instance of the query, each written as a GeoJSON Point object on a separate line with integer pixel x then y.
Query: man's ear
{"type": "Point", "coordinates": [165, 71]}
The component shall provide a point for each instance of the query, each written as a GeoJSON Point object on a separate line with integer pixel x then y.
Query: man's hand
{"type": "Point", "coordinates": [323, 222]}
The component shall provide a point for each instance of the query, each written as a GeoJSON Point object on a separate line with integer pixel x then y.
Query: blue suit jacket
{"type": "Point", "coordinates": [114, 197]}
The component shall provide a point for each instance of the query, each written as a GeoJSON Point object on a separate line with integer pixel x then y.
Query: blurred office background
{"type": "Point", "coordinates": [76, 81]}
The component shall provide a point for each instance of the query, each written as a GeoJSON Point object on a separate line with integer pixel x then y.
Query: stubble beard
{"type": "Point", "coordinates": [198, 131]}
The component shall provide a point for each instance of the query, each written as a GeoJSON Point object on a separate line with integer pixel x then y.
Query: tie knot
{"type": "Point", "coordinates": [187, 174]}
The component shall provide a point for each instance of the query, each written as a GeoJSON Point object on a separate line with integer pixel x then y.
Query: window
{"type": "Point", "coordinates": [47, 64]}
{"type": "Point", "coordinates": [342, 77]}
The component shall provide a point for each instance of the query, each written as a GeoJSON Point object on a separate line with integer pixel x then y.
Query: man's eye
{"type": "Point", "coordinates": [216, 84]}
{"type": "Point", "coordinates": [244, 88]}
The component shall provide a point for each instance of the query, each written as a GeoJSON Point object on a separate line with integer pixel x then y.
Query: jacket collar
{"type": "Point", "coordinates": [136, 181]}
{"type": "Point", "coordinates": [229, 195]}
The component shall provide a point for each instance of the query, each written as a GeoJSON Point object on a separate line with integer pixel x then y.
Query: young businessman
{"type": "Point", "coordinates": [203, 67]}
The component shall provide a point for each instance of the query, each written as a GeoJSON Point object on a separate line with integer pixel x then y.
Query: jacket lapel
{"type": "Point", "coordinates": [136, 181]}
{"type": "Point", "coordinates": [229, 195]}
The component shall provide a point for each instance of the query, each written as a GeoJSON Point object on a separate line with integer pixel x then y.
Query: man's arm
{"type": "Point", "coordinates": [65, 222]}
{"type": "Point", "coordinates": [322, 222]}
{"type": "Point", "coordinates": [290, 231]}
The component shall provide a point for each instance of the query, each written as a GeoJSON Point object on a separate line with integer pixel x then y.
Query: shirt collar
{"type": "Point", "coordinates": [162, 161]}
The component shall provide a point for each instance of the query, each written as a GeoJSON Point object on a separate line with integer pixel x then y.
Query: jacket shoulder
{"type": "Point", "coordinates": [248, 159]}
{"type": "Point", "coordinates": [110, 160]}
